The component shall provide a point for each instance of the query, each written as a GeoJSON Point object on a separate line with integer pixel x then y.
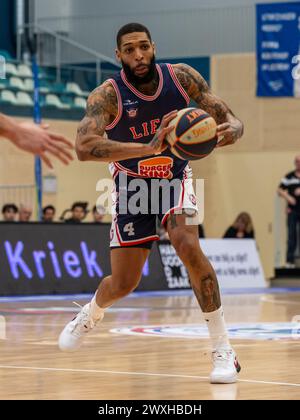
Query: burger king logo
{"type": "Point", "coordinates": [156, 167]}
{"type": "Point", "coordinates": [132, 113]}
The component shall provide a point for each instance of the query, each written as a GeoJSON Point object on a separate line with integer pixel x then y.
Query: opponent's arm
{"type": "Point", "coordinates": [36, 139]}
{"type": "Point", "coordinates": [229, 126]}
{"type": "Point", "coordinates": [7, 126]}
{"type": "Point", "coordinates": [102, 107]}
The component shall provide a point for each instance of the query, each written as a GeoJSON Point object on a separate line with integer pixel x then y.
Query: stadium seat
{"type": "Point", "coordinates": [16, 83]}
{"type": "Point", "coordinates": [43, 86]}
{"type": "Point", "coordinates": [74, 88]}
{"type": "Point", "coordinates": [24, 70]}
{"type": "Point", "coordinates": [28, 85]}
{"type": "Point", "coordinates": [8, 96]}
{"type": "Point", "coordinates": [53, 100]}
{"type": "Point", "coordinates": [24, 99]}
{"type": "Point", "coordinates": [79, 102]}
{"type": "Point", "coordinates": [11, 69]}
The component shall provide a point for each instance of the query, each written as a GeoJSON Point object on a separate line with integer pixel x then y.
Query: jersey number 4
{"type": "Point", "coordinates": [129, 229]}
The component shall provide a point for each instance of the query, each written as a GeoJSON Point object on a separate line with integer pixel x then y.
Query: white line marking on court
{"type": "Point", "coordinates": [278, 302]}
{"type": "Point", "coordinates": [49, 324]}
{"type": "Point", "coordinates": [115, 372]}
{"type": "Point", "coordinates": [54, 342]}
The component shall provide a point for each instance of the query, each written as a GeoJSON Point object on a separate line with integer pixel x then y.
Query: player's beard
{"type": "Point", "coordinates": [137, 80]}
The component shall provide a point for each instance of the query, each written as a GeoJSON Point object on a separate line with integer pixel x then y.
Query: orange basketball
{"type": "Point", "coordinates": [194, 135]}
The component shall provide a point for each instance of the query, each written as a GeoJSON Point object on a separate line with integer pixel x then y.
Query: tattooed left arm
{"type": "Point", "coordinates": [230, 128]}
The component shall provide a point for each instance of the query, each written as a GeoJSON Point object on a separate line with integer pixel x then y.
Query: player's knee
{"type": "Point", "coordinates": [187, 249]}
{"type": "Point", "coordinates": [124, 285]}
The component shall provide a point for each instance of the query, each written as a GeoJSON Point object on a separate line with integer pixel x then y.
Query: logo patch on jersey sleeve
{"type": "Point", "coordinates": [156, 167]}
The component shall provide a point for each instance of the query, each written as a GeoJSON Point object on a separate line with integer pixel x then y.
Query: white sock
{"type": "Point", "coordinates": [217, 329]}
{"type": "Point", "coordinates": [97, 313]}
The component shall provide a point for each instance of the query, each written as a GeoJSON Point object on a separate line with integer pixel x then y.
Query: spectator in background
{"type": "Point", "coordinates": [79, 211]}
{"type": "Point", "coordinates": [9, 212]}
{"type": "Point", "coordinates": [98, 214]}
{"type": "Point", "coordinates": [25, 213]}
{"type": "Point", "coordinates": [48, 214]}
{"type": "Point", "coordinates": [241, 228]}
{"type": "Point", "coordinates": [289, 189]}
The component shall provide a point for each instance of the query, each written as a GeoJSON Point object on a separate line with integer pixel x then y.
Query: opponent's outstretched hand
{"type": "Point", "coordinates": [36, 139]}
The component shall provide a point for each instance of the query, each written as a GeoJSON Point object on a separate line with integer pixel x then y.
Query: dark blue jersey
{"type": "Point", "coordinates": [139, 116]}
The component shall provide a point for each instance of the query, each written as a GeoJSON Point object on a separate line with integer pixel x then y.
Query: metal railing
{"type": "Point", "coordinates": [58, 51]}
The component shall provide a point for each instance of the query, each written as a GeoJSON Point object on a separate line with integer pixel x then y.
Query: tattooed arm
{"type": "Point", "coordinates": [91, 143]}
{"type": "Point", "coordinates": [229, 126]}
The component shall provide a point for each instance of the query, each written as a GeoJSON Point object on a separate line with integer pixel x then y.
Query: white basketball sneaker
{"type": "Point", "coordinates": [226, 367]}
{"type": "Point", "coordinates": [72, 336]}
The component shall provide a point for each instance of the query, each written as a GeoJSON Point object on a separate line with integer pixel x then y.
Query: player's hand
{"type": "Point", "coordinates": [229, 132]}
{"type": "Point", "coordinates": [38, 141]}
{"type": "Point", "coordinates": [158, 144]}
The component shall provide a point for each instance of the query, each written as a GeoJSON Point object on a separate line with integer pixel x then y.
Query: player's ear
{"type": "Point", "coordinates": [118, 56]}
{"type": "Point", "coordinates": [154, 47]}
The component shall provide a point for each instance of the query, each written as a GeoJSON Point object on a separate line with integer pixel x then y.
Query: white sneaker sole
{"type": "Point", "coordinates": [68, 344]}
{"type": "Point", "coordinates": [221, 380]}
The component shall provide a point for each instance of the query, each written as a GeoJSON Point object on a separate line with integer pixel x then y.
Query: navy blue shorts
{"type": "Point", "coordinates": [138, 202]}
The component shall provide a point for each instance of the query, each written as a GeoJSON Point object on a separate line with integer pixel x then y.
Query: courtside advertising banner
{"type": "Point", "coordinates": [236, 262]}
{"type": "Point", "coordinates": [38, 258]}
{"type": "Point", "coordinates": [278, 49]}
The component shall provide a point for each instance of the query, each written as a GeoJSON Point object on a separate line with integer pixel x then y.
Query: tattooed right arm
{"type": "Point", "coordinates": [91, 143]}
{"type": "Point", "coordinates": [229, 126]}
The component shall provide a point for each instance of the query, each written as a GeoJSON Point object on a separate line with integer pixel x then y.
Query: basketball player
{"type": "Point", "coordinates": [126, 124]}
{"type": "Point", "coordinates": [35, 139]}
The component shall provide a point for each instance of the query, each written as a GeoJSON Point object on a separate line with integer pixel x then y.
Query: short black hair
{"type": "Point", "coordinates": [129, 28]}
{"type": "Point", "coordinates": [8, 207]}
{"type": "Point", "coordinates": [48, 208]}
{"type": "Point", "coordinates": [81, 204]}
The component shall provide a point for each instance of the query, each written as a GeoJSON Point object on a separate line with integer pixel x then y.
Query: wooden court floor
{"type": "Point", "coordinates": [149, 364]}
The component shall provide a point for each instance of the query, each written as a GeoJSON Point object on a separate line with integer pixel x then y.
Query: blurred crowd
{"type": "Point", "coordinates": [242, 226]}
{"type": "Point", "coordinates": [76, 214]}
